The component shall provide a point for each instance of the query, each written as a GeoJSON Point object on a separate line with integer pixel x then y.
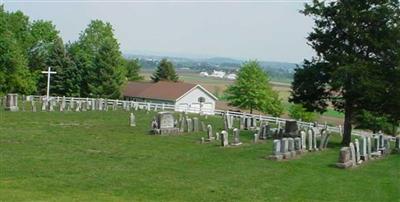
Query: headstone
{"type": "Point", "coordinates": [51, 105]}
{"type": "Point", "coordinates": [363, 149]}
{"type": "Point", "coordinates": [71, 104]}
{"type": "Point", "coordinates": [357, 148]}
{"type": "Point", "coordinates": [44, 105]}
{"type": "Point", "coordinates": [310, 139]}
{"type": "Point", "coordinates": [209, 133]}
{"type": "Point", "coordinates": [291, 147]}
{"type": "Point", "coordinates": [203, 126]}
{"type": "Point", "coordinates": [255, 139]}
{"type": "Point", "coordinates": [285, 148]}
{"type": "Point", "coordinates": [195, 124]}
{"type": "Point", "coordinates": [224, 139]}
{"type": "Point", "coordinates": [276, 150]}
{"type": "Point", "coordinates": [241, 123]}
{"type": "Point", "coordinates": [386, 144]}
{"type": "Point", "coordinates": [303, 140]}
{"type": "Point", "coordinates": [397, 144]}
{"type": "Point", "coordinates": [62, 106]}
{"type": "Point", "coordinates": [33, 105]}
{"type": "Point", "coordinates": [297, 145]}
{"type": "Point", "coordinates": [78, 106]}
{"type": "Point", "coordinates": [314, 142]}
{"type": "Point", "coordinates": [353, 154]}
{"type": "Point", "coordinates": [369, 147]}
{"type": "Point", "coordinates": [182, 125]}
{"type": "Point", "coordinates": [217, 136]}
{"type": "Point", "coordinates": [12, 102]}
{"type": "Point", "coordinates": [189, 124]}
{"type": "Point", "coordinates": [291, 128]}
{"type": "Point", "coordinates": [236, 137]}
{"type": "Point", "coordinates": [23, 103]}
{"type": "Point", "coordinates": [344, 158]}
{"type": "Point", "coordinates": [132, 120]}
{"type": "Point", "coordinates": [166, 123]}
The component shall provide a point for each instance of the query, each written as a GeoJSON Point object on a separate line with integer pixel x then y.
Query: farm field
{"type": "Point", "coordinates": [96, 156]}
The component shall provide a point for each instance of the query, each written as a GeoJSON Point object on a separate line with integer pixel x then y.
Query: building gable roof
{"type": "Point", "coordinates": [162, 90]}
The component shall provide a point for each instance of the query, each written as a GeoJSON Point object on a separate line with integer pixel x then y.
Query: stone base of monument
{"type": "Point", "coordinates": [164, 131]}
{"type": "Point", "coordinates": [277, 157]}
{"type": "Point", "coordinates": [12, 109]}
{"type": "Point", "coordinates": [299, 152]}
{"type": "Point", "coordinates": [236, 144]}
{"type": "Point", "coordinates": [347, 164]}
{"type": "Point", "coordinates": [376, 154]}
{"type": "Point", "coordinates": [287, 155]}
{"type": "Point", "coordinates": [293, 154]}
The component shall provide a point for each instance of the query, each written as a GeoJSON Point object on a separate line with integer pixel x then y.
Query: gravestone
{"type": "Point", "coordinates": [363, 149]}
{"type": "Point", "coordinates": [195, 124]}
{"type": "Point", "coordinates": [62, 106]}
{"type": "Point", "coordinates": [236, 137]}
{"type": "Point", "coordinates": [291, 147]}
{"type": "Point", "coordinates": [353, 154]}
{"type": "Point", "coordinates": [224, 138]}
{"type": "Point", "coordinates": [276, 150]}
{"type": "Point", "coordinates": [310, 139]}
{"type": "Point", "coordinates": [12, 102]}
{"type": "Point", "coordinates": [71, 104]}
{"type": "Point", "coordinates": [217, 136]}
{"type": "Point", "coordinates": [357, 148]}
{"type": "Point", "coordinates": [33, 105]}
{"type": "Point", "coordinates": [44, 105]}
{"type": "Point", "coordinates": [397, 144]}
{"type": "Point", "coordinates": [189, 125]}
{"type": "Point", "coordinates": [303, 140]}
{"type": "Point", "coordinates": [182, 125]}
{"type": "Point", "coordinates": [23, 102]}
{"type": "Point", "coordinates": [369, 147]}
{"type": "Point", "coordinates": [291, 128]}
{"type": "Point", "coordinates": [297, 145]}
{"type": "Point", "coordinates": [255, 139]}
{"type": "Point", "coordinates": [285, 148]}
{"type": "Point", "coordinates": [386, 145]}
{"type": "Point", "coordinates": [241, 123]}
{"type": "Point", "coordinates": [203, 126]}
{"type": "Point", "coordinates": [165, 123]}
{"type": "Point", "coordinates": [344, 158]}
{"type": "Point", "coordinates": [78, 106]}
{"type": "Point", "coordinates": [209, 133]}
{"type": "Point", "coordinates": [132, 120]}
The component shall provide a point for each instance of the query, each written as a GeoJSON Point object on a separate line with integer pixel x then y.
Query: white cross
{"type": "Point", "coordinates": [48, 72]}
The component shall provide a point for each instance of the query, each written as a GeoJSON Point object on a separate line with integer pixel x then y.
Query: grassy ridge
{"type": "Point", "coordinates": [96, 156]}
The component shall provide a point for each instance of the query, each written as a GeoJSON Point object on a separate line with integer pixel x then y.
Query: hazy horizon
{"type": "Point", "coordinates": [268, 30]}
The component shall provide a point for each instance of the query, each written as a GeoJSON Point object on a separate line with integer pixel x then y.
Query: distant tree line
{"type": "Point", "coordinates": [92, 66]}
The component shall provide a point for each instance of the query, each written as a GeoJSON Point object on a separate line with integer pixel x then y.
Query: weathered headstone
{"type": "Point", "coordinates": [236, 137]}
{"type": "Point", "coordinates": [363, 149]}
{"type": "Point", "coordinates": [195, 124]}
{"type": "Point", "coordinates": [276, 150]}
{"type": "Point", "coordinates": [344, 158]}
{"type": "Point", "coordinates": [255, 139]}
{"type": "Point", "coordinates": [353, 154]}
{"type": "Point", "coordinates": [357, 148]}
{"type": "Point", "coordinates": [33, 105]}
{"type": "Point", "coordinates": [397, 144]}
{"type": "Point", "coordinates": [241, 123]}
{"type": "Point", "coordinates": [303, 140]}
{"type": "Point", "coordinates": [369, 147]}
{"type": "Point", "coordinates": [209, 133]}
{"type": "Point", "coordinates": [12, 102]}
{"type": "Point", "coordinates": [297, 145]}
{"type": "Point", "coordinates": [132, 120]}
{"type": "Point", "coordinates": [224, 139]}
{"type": "Point", "coordinates": [310, 139]}
{"type": "Point", "coordinates": [291, 128]}
{"type": "Point", "coordinates": [166, 123]}
{"type": "Point", "coordinates": [285, 148]}
{"type": "Point", "coordinates": [217, 136]}
{"type": "Point", "coordinates": [189, 125]}
{"type": "Point", "coordinates": [291, 147]}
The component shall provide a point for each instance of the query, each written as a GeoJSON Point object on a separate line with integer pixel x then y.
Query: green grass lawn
{"type": "Point", "coordinates": [96, 156]}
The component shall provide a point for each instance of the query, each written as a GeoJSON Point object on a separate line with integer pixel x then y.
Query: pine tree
{"type": "Point", "coordinates": [165, 72]}
{"type": "Point", "coordinates": [357, 62]}
{"type": "Point", "coordinates": [252, 90]}
{"type": "Point", "coordinates": [132, 68]}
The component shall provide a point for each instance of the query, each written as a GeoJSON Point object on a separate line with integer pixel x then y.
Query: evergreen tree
{"type": "Point", "coordinates": [252, 90]}
{"type": "Point", "coordinates": [357, 62]}
{"type": "Point", "coordinates": [165, 72]}
{"type": "Point", "coordinates": [97, 53]}
{"type": "Point", "coordinates": [132, 68]}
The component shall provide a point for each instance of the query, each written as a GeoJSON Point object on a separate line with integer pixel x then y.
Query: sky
{"type": "Point", "coordinates": [256, 29]}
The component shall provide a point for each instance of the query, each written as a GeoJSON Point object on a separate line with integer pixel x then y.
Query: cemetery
{"type": "Point", "coordinates": [82, 148]}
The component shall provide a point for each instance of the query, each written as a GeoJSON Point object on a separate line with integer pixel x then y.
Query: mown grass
{"type": "Point", "coordinates": [96, 156]}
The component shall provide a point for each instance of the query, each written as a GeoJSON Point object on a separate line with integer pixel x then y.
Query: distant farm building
{"type": "Point", "coordinates": [184, 96]}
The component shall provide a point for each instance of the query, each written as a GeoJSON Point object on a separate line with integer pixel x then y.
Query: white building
{"type": "Point", "coordinates": [204, 74]}
{"type": "Point", "coordinates": [218, 74]}
{"type": "Point", "coordinates": [231, 76]}
{"type": "Point", "coordinates": [184, 96]}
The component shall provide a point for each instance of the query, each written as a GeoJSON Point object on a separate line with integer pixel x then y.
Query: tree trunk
{"type": "Point", "coordinates": [251, 109]}
{"type": "Point", "coordinates": [348, 114]}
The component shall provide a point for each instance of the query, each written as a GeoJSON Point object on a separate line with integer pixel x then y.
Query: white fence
{"type": "Point", "coordinates": [161, 106]}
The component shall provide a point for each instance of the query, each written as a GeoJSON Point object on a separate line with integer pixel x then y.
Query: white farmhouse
{"type": "Point", "coordinates": [184, 96]}
{"type": "Point", "coordinates": [231, 76]}
{"type": "Point", "coordinates": [204, 74]}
